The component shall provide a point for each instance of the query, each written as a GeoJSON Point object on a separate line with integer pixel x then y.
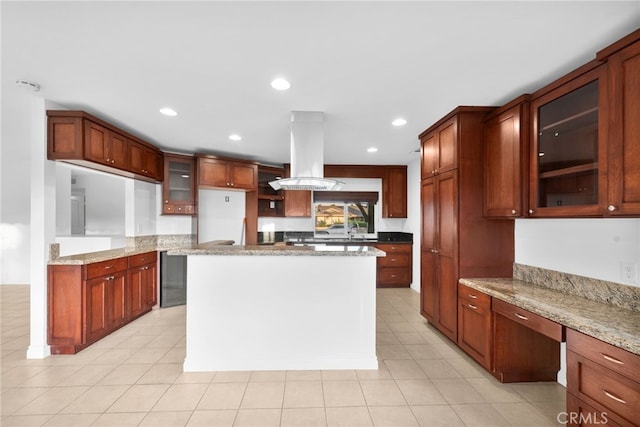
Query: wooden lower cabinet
{"type": "Point", "coordinates": [142, 284]}
{"type": "Point", "coordinates": [88, 302]}
{"type": "Point", "coordinates": [395, 269]}
{"type": "Point", "coordinates": [474, 324]}
{"type": "Point", "coordinates": [603, 383]}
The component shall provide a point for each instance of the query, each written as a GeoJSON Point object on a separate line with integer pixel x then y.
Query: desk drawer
{"type": "Point", "coordinates": [598, 385]}
{"type": "Point", "coordinates": [532, 321]}
{"type": "Point", "coordinates": [103, 268]}
{"type": "Point", "coordinates": [474, 297]}
{"type": "Point", "coordinates": [616, 359]}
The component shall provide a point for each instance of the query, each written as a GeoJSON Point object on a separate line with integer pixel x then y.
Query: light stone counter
{"type": "Point", "coordinates": [609, 323]}
{"type": "Point", "coordinates": [91, 257]}
{"type": "Point", "coordinates": [262, 250]}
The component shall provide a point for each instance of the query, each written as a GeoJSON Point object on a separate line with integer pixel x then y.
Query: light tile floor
{"type": "Point", "coordinates": [134, 377]}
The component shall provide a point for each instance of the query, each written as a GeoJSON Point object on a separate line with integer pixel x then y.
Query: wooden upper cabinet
{"type": "Point", "coordinates": [623, 154]}
{"type": "Point", "coordinates": [145, 161]}
{"type": "Point", "coordinates": [394, 192]}
{"type": "Point", "coordinates": [80, 138]}
{"type": "Point", "coordinates": [439, 149]}
{"type": "Point", "coordinates": [179, 185]}
{"type": "Point", "coordinates": [103, 146]}
{"type": "Point", "coordinates": [568, 146]}
{"type": "Point", "coordinates": [504, 157]}
{"type": "Point", "coordinates": [223, 173]}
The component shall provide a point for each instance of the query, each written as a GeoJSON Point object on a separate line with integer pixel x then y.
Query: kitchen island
{"type": "Point", "coordinates": [280, 308]}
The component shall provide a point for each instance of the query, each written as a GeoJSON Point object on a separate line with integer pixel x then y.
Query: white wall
{"type": "Point", "coordinates": [221, 215]}
{"type": "Point", "coordinates": [587, 247]}
{"type": "Point", "coordinates": [413, 222]}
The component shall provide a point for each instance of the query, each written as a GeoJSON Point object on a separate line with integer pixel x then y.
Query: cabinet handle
{"type": "Point", "coordinates": [110, 278]}
{"type": "Point", "coordinates": [145, 268]}
{"type": "Point", "coordinates": [108, 267]}
{"type": "Point", "coordinates": [393, 276]}
{"type": "Point", "coordinates": [614, 397]}
{"type": "Point", "coordinates": [435, 251]}
{"type": "Point", "coordinates": [393, 260]}
{"type": "Point", "coordinates": [612, 359]}
{"type": "Point", "coordinates": [520, 316]}
{"type": "Point", "coordinates": [473, 307]}
{"type": "Point", "coordinates": [472, 296]}
{"type": "Point", "coordinates": [611, 208]}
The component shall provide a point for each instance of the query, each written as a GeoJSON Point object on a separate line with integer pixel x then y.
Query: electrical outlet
{"type": "Point", "coordinates": [629, 272]}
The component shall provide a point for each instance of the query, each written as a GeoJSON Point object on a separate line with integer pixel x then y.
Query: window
{"type": "Point", "coordinates": [339, 214]}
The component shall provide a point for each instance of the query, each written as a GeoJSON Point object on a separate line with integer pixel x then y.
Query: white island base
{"type": "Point", "coordinates": [280, 312]}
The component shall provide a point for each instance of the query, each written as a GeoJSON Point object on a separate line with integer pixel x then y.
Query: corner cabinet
{"type": "Point", "coordinates": [179, 195]}
{"type": "Point", "coordinates": [455, 234]}
{"type": "Point", "coordinates": [217, 172]}
{"type": "Point", "coordinates": [504, 154]}
{"type": "Point", "coordinates": [87, 302]}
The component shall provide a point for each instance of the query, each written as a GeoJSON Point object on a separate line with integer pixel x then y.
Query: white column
{"type": "Point", "coordinates": [43, 226]}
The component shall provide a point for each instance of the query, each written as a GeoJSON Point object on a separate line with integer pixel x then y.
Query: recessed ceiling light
{"type": "Point", "coordinates": [372, 150]}
{"type": "Point", "coordinates": [168, 111]}
{"type": "Point", "coordinates": [399, 122]}
{"type": "Point", "coordinates": [280, 84]}
{"type": "Point", "coordinates": [235, 137]}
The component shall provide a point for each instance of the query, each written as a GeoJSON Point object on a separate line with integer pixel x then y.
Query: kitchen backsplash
{"type": "Point", "coordinates": [617, 294]}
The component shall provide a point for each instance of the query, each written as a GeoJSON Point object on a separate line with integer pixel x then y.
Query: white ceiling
{"type": "Point", "coordinates": [362, 63]}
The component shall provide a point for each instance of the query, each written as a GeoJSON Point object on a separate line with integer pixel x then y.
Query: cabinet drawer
{"type": "Point", "coordinates": [532, 321]}
{"type": "Point", "coordinates": [394, 260]}
{"type": "Point", "coordinates": [607, 355]}
{"type": "Point", "coordinates": [592, 382]}
{"type": "Point", "coordinates": [474, 297]}
{"type": "Point", "coordinates": [98, 269]}
{"type": "Point", "coordinates": [169, 208]}
{"type": "Point", "coordinates": [394, 248]}
{"type": "Point", "coordinates": [393, 275]}
{"type": "Point", "coordinates": [142, 259]}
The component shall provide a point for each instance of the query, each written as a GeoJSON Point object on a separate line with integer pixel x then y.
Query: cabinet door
{"type": "Point", "coordinates": [144, 161]}
{"type": "Point", "coordinates": [96, 143]}
{"type": "Point", "coordinates": [394, 193]}
{"type": "Point", "coordinates": [447, 146]}
{"type": "Point", "coordinates": [117, 300]}
{"type": "Point", "coordinates": [474, 325]}
{"type": "Point", "coordinates": [502, 165]}
{"type": "Point", "coordinates": [624, 132]}
{"type": "Point", "coordinates": [97, 311]}
{"type": "Point", "coordinates": [213, 173]}
{"type": "Point", "coordinates": [118, 151]}
{"type": "Point", "coordinates": [429, 154]}
{"type": "Point", "coordinates": [428, 259]}
{"type": "Point", "coordinates": [137, 299]}
{"type": "Point", "coordinates": [447, 251]}
{"type": "Point", "coordinates": [243, 176]}
{"type": "Point", "coordinates": [150, 283]}
{"type": "Point", "coordinates": [566, 137]}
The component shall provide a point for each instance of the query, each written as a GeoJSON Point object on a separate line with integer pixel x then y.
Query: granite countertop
{"type": "Point", "coordinates": [262, 250]}
{"type": "Point", "coordinates": [609, 323]}
{"type": "Point", "coordinates": [91, 257]}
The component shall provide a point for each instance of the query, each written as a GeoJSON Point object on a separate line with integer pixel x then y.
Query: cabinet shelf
{"type": "Point", "coordinates": [270, 197]}
{"type": "Point", "coordinates": [570, 170]}
{"type": "Point", "coordinates": [578, 119]}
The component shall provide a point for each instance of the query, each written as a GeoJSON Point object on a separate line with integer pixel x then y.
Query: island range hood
{"type": "Point", "coordinates": [307, 155]}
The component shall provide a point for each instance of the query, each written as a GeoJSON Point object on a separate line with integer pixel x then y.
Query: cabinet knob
{"type": "Point", "coordinates": [513, 211]}
{"type": "Point", "coordinates": [113, 161]}
{"type": "Point", "coordinates": [166, 201]}
{"type": "Point", "coordinates": [179, 209]}
{"type": "Point", "coordinates": [611, 208]}
{"type": "Point", "coordinates": [531, 211]}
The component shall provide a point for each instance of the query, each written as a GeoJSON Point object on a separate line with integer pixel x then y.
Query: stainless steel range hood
{"type": "Point", "coordinates": [307, 155]}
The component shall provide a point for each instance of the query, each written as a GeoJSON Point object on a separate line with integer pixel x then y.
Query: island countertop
{"type": "Point", "coordinates": [261, 250]}
{"type": "Point", "coordinates": [606, 322]}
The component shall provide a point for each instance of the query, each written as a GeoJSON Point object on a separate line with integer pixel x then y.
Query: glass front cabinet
{"type": "Point", "coordinates": [567, 156]}
{"type": "Point", "coordinates": [178, 187]}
